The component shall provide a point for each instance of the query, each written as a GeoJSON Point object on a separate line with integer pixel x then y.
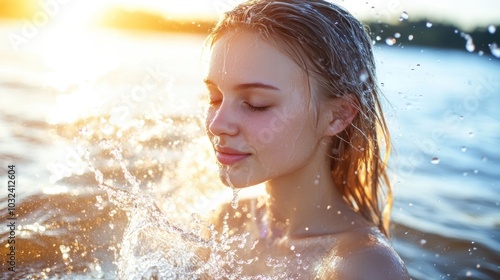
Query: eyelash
{"type": "Point", "coordinates": [250, 107]}
{"type": "Point", "coordinates": [257, 109]}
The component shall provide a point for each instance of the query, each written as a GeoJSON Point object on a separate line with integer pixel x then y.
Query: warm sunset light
{"type": "Point", "coordinates": [120, 162]}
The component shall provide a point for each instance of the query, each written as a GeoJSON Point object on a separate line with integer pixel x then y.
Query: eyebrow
{"type": "Point", "coordinates": [246, 85]}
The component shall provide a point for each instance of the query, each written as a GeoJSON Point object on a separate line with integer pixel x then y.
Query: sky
{"type": "Point", "coordinates": [465, 14]}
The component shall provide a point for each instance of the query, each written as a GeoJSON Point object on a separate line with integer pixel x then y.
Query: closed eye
{"type": "Point", "coordinates": [214, 98]}
{"type": "Point", "coordinates": [257, 109]}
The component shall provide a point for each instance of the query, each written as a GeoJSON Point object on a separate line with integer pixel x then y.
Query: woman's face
{"type": "Point", "coordinates": [261, 119]}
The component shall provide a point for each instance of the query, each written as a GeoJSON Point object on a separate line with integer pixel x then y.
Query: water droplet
{"type": "Point", "coordinates": [316, 180]}
{"type": "Point", "coordinates": [471, 134]}
{"type": "Point", "coordinates": [423, 241]}
{"type": "Point", "coordinates": [428, 24]}
{"type": "Point", "coordinates": [397, 35]}
{"type": "Point", "coordinates": [469, 45]}
{"type": "Point", "coordinates": [363, 76]}
{"type": "Point", "coordinates": [378, 38]}
{"type": "Point", "coordinates": [410, 37]}
{"type": "Point", "coordinates": [484, 159]}
{"type": "Point", "coordinates": [292, 247]}
{"type": "Point", "coordinates": [476, 171]}
{"type": "Point", "coordinates": [468, 274]}
{"type": "Point", "coordinates": [463, 149]}
{"type": "Point", "coordinates": [404, 16]}
{"type": "Point", "coordinates": [107, 129]}
{"type": "Point", "coordinates": [465, 174]}
{"type": "Point", "coordinates": [478, 266]}
{"type": "Point", "coordinates": [495, 49]}
{"type": "Point", "coordinates": [84, 131]}
{"type": "Point", "coordinates": [390, 41]}
{"type": "Point", "coordinates": [410, 204]}
{"type": "Point", "coordinates": [307, 229]}
{"type": "Point", "coordinates": [435, 160]}
{"type": "Point", "coordinates": [492, 29]}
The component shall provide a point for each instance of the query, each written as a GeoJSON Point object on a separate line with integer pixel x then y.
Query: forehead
{"type": "Point", "coordinates": [244, 56]}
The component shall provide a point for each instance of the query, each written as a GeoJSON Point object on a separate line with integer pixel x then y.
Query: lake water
{"type": "Point", "coordinates": [127, 106]}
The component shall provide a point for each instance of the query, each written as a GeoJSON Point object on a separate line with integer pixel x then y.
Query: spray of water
{"type": "Point", "coordinates": [234, 201]}
{"type": "Point", "coordinates": [154, 246]}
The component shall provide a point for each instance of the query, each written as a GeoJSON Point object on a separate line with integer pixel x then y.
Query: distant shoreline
{"type": "Point", "coordinates": [406, 33]}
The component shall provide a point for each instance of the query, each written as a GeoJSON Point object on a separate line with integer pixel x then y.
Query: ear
{"type": "Point", "coordinates": [342, 110]}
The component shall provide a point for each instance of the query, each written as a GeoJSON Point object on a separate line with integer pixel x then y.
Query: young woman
{"type": "Point", "coordinates": [294, 105]}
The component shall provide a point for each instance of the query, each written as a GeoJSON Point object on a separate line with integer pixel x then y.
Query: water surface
{"type": "Point", "coordinates": [133, 103]}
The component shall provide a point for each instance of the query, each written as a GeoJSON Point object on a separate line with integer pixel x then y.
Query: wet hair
{"type": "Point", "coordinates": [334, 49]}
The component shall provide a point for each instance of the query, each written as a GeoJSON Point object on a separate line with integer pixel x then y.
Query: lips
{"type": "Point", "coordinates": [229, 156]}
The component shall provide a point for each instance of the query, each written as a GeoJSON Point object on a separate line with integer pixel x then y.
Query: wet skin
{"type": "Point", "coordinates": [266, 126]}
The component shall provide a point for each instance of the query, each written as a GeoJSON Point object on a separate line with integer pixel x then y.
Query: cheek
{"type": "Point", "coordinates": [274, 134]}
{"type": "Point", "coordinates": [265, 131]}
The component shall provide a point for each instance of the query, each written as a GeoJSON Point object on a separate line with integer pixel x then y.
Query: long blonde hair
{"type": "Point", "coordinates": [334, 49]}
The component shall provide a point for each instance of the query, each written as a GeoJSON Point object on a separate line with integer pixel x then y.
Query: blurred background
{"type": "Point", "coordinates": [101, 112]}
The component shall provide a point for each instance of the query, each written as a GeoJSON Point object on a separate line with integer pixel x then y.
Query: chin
{"type": "Point", "coordinates": [237, 183]}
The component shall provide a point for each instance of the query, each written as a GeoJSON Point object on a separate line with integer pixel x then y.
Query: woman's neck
{"type": "Point", "coordinates": [306, 203]}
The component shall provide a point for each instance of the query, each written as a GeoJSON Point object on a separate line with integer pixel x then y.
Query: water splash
{"type": "Point", "coordinates": [226, 170]}
{"type": "Point", "coordinates": [154, 246]}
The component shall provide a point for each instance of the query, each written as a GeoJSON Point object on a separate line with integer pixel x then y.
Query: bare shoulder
{"type": "Point", "coordinates": [365, 254]}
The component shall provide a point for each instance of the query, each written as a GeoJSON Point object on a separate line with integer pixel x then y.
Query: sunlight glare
{"type": "Point", "coordinates": [72, 49]}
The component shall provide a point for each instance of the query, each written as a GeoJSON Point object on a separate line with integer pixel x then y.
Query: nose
{"type": "Point", "coordinates": [221, 120]}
